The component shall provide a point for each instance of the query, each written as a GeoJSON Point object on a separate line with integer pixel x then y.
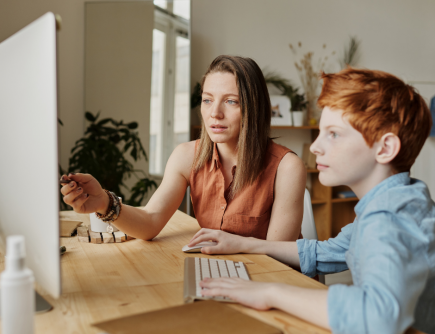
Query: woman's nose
{"type": "Point", "coordinates": [216, 111]}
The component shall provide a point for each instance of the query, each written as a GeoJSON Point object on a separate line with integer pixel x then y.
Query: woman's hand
{"type": "Point", "coordinates": [227, 243]}
{"type": "Point", "coordinates": [253, 294]}
{"type": "Point", "coordinates": [84, 194]}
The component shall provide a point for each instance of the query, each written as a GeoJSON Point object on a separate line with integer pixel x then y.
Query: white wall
{"type": "Point", "coordinates": [397, 36]}
{"type": "Point", "coordinates": [118, 56]}
{"type": "Point", "coordinates": [14, 15]}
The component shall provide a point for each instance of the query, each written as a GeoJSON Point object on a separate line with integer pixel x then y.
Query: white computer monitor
{"type": "Point", "coordinates": [29, 188]}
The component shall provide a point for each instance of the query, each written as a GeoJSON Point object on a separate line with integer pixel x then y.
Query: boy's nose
{"type": "Point", "coordinates": [315, 147]}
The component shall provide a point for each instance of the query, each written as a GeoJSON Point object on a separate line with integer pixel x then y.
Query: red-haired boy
{"type": "Point", "coordinates": [372, 128]}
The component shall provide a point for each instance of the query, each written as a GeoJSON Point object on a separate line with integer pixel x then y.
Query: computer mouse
{"type": "Point", "coordinates": [197, 247]}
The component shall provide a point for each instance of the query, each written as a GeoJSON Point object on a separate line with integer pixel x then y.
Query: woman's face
{"type": "Point", "coordinates": [220, 107]}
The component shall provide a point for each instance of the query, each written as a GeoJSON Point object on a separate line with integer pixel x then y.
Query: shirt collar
{"type": "Point", "coordinates": [215, 162]}
{"type": "Point", "coordinates": [392, 181]}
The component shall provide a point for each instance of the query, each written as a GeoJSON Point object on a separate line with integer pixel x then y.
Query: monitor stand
{"type": "Point", "coordinates": [41, 305]}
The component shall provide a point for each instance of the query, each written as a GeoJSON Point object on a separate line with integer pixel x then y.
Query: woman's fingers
{"type": "Point", "coordinates": [200, 232]}
{"type": "Point", "coordinates": [72, 196]}
{"type": "Point", "coordinates": [67, 188]}
{"type": "Point", "coordinates": [80, 200]}
{"type": "Point", "coordinates": [205, 235]}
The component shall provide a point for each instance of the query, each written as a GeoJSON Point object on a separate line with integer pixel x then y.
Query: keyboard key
{"type": "Point", "coordinates": [223, 268]}
{"type": "Point", "coordinates": [198, 276]}
{"type": "Point", "coordinates": [241, 270]}
{"type": "Point", "coordinates": [214, 269]}
{"type": "Point", "coordinates": [231, 268]}
{"type": "Point", "coordinates": [205, 268]}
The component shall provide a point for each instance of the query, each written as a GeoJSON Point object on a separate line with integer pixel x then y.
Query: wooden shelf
{"type": "Point", "coordinates": [304, 127]}
{"type": "Point", "coordinates": [341, 200]}
{"type": "Point", "coordinates": [318, 201]}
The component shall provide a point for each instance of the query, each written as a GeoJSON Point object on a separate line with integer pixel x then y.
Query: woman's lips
{"type": "Point", "coordinates": [218, 128]}
{"type": "Point", "coordinates": [321, 167]}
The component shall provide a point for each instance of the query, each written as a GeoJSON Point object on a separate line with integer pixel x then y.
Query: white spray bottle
{"type": "Point", "coordinates": [17, 294]}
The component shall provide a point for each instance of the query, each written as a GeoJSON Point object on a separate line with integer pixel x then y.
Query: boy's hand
{"type": "Point", "coordinates": [227, 243]}
{"type": "Point", "coordinates": [248, 293]}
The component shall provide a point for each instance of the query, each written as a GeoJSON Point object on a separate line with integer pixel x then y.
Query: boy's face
{"type": "Point", "coordinates": [343, 157]}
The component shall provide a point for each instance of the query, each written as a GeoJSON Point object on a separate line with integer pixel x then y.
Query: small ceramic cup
{"type": "Point", "coordinates": [97, 225]}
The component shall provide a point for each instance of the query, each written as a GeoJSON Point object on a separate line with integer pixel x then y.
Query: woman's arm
{"type": "Point", "coordinates": [288, 206]}
{"type": "Point", "coordinates": [227, 243]}
{"type": "Point", "coordinates": [144, 223]}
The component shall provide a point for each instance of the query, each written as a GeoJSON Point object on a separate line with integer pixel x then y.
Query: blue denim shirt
{"type": "Point", "coordinates": [390, 251]}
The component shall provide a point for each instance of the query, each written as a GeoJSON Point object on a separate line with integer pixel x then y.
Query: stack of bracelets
{"type": "Point", "coordinates": [113, 211]}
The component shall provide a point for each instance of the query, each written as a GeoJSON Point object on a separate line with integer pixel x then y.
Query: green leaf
{"type": "Point", "coordinates": [103, 152]}
{"type": "Point", "coordinates": [90, 117]}
{"type": "Point", "coordinates": [132, 125]}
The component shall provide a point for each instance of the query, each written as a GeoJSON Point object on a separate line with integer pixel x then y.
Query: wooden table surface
{"type": "Point", "coordinates": [106, 281]}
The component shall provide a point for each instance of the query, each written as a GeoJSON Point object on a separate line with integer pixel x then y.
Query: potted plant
{"type": "Point", "coordinates": [298, 101]}
{"type": "Point", "coordinates": [103, 151]}
{"type": "Point", "coordinates": [298, 105]}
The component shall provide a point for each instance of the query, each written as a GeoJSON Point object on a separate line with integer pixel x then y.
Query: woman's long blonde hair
{"type": "Point", "coordinates": [255, 121]}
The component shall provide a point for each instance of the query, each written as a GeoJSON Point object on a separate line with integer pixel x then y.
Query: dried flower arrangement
{"type": "Point", "coordinates": [310, 80]}
{"type": "Point", "coordinates": [351, 53]}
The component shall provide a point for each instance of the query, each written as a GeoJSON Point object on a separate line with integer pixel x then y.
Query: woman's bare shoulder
{"type": "Point", "coordinates": [182, 158]}
{"type": "Point", "coordinates": [291, 166]}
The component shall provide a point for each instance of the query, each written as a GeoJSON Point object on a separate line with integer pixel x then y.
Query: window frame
{"type": "Point", "coordinates": [173, 26]}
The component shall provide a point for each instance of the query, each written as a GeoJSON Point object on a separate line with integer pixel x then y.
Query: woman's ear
{"type": "Point", "coordinates": [388, 148]}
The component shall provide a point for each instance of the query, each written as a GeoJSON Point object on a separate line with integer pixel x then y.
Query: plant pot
{"type": "Point", "coordinates": [97, 225]}
{"type": "Point", "coordinates": [298, 118]}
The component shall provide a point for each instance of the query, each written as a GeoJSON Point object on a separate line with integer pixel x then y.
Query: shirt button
{"type": "Point", "coordinates": [223, 207]}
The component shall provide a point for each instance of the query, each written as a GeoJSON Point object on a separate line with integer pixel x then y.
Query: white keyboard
{"type": "Point", "coordinates": [196, 269]}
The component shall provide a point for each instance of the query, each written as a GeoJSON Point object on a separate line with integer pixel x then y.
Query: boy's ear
{"type": "Point", "coordinates": [388, 148]}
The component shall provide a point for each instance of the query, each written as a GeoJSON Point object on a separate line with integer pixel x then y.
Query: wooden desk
{"type": "Point", "coordinates": [106, 281]}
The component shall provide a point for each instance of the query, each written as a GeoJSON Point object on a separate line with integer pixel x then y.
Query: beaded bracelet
{"type": "Point", "coordinates": [113, 210]}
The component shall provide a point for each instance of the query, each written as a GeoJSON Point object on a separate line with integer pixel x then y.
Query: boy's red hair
{"type": "Point", "coordinates": [377, 103]}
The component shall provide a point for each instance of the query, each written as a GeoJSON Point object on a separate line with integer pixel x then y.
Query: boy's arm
{"type": "Point", "coordinates": [325, 257]}
{"type": "Point", "coordinates": [307, 304]}
{"type": "Point", "coordinates": [390, 273]}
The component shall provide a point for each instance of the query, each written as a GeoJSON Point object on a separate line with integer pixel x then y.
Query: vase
{"type": "Point", "coordinates": [298, 118]}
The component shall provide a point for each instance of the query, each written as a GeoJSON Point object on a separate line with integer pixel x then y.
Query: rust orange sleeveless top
{"type": "Point", "coordinates": [248, 212]}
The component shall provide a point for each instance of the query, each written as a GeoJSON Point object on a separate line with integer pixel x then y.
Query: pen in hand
{"type": "Point", "coordinates": [63, 181]}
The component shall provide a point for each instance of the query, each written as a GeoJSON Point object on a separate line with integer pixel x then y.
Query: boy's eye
{"type": "Point", "coordinates": [333, 134]}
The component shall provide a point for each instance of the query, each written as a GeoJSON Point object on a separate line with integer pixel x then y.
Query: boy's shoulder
{"type": "Point", "coordinates": [396, 195]}
{"type": "Point", "coordinates": [405, 205]}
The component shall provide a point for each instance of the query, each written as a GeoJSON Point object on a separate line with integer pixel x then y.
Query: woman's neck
{"type": "Point", "coordinates": [227, 153]}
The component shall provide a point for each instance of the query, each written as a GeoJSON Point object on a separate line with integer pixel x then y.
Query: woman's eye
{"type": "Point", "coordinates": [206, 101]}
{"type": "Point", "coordinates": [232, 102]}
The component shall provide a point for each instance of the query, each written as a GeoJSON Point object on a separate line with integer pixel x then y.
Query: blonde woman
{"type": "Point", "coordinates": [241, 181]}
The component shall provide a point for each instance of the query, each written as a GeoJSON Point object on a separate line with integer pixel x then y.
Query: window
{"type": "Point", "coordinates": [170, 94]}
{"type": "Point", "coordinates": [156, 110]}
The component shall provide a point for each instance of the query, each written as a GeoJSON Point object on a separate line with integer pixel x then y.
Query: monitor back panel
{"type": "Point", "coordinates": [29, 190]}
